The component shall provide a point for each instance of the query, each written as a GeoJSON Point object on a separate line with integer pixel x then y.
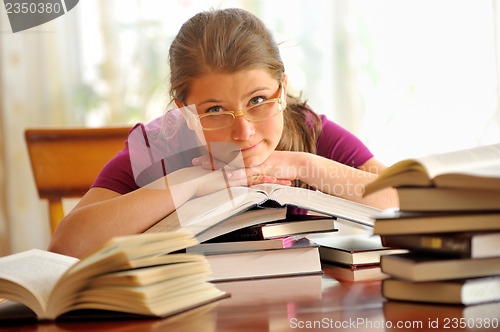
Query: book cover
{"type": "Point", "coordinates": [439, 316]}
{"type": "Point", "coordinates": [448, 199]}
{"type": "Point", "coordinates": [300, 259]}
{"type": "Point", "coordinates": [353, 250]}
{"type": "Point", "coordinates": [354, 273]}
{"type": "Point", "coordinates": [392, 222]}
{"type": "Point", "coordinates": [252, 245]}
{"type": "Point", "coordinates": [463, 291]}
{"type": "Point", "coordinates": [418, 267]}
{"type": "Point", "coordinates": [462, 244]}
{"type": "Point", "coordinates": [292, 225]}
{"type": "Point", "coordinates": [305, 287]}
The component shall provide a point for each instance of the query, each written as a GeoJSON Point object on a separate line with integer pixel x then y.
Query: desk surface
{"type": "Point", "coordinates": [315, 302]}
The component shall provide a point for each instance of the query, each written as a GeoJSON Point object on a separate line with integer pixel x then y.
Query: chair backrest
{"type": "Point", "coordinates": [66, 161]}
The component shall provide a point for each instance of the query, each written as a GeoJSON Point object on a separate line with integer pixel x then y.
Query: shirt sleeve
{"type": "Point", "coordinates": [337, 143]}
{"type": "Point", "coordinates": [149, 154]}
{"type": "Point", "coordinates": [117, 174]}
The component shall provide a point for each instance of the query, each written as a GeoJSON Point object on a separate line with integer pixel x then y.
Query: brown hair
{"type": "Point", "coordinates": [230, 40]}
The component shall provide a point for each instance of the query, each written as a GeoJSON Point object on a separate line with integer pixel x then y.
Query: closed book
{"type": "Point", "coordinates": [421, 316]}
{"type": "Point", "coordinates": [283, 289]}
{"type": "Point", "coordinates": [467, 244]}
{"type": "Point", "coordinates": [281, 228]}
{"type": "Point", "coordinates": [238, 246]}
{"type": "Point", "coordinates": [447, 199]}
{"type": "Point", "coordinates": [352, 250]}
{"type": "Point", "coordinates": [354, 273]}
{"type": "Point", "coordinates": [392, 222]}
{"type": "Point", "coordinates": [240, 220]}
{"type": "Point", "coordinates": [297, 260]}
{"type": "Point", "coordinates": [465, 291]}
{"type": "Point", "coordinates": [416, 267]}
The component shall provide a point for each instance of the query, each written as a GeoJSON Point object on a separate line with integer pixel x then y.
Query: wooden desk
{"type": "Point", "coordinates": [286, 304]}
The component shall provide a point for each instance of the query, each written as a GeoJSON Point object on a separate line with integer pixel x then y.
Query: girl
{"type": "Point", "coordinates": [227, 65]}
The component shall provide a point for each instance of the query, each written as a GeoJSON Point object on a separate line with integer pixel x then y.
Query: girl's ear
{"type": "Point", "coordinates": [284, 82]}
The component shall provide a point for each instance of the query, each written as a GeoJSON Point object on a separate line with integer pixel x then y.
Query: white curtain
{"type": "Point", "coordinates": [36, 70]}
{"type": "Point", "coordinates": [4, 225]}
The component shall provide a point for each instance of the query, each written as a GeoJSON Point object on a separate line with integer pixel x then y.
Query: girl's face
{"type": "Point", "coordinates": [236, 91]}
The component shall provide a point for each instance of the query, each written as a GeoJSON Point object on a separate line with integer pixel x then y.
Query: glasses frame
{"type": "Point", "coordinates": [242, 112]}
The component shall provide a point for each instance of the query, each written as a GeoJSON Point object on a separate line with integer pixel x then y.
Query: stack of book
{"type": "Point", "coordinates": [244, 232]}
{"type": "Point", "coordinates": [278, 248]}
{"type": "Point", "coordinates": [449, 220]}
{"type": "Point", "coordinates": [352, 257]}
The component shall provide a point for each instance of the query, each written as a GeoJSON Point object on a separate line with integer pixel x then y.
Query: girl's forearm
{"type": "Point", "coordinates": [89, 226]}
{"type": "Point", "coordinates": [102, 213]}
{"type": "Point", "coordinates": [343, 181]}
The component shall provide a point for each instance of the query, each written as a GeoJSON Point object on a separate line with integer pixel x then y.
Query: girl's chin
{"type": "Point", "coordinates": [253, 161]}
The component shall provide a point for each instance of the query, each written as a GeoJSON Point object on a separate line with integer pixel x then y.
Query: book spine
{"type": "Point", "coordinates": [243, 234]}
{"type": "Point", "coordinates": [439, 244]}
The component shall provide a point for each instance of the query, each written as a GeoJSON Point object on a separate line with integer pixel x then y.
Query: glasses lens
{"type": "Point", "coordinates": [259, 112]}
{"type": "Point", "coordinates": [262, 111]}
{"type": "Point", "coordinates": [214, 121]}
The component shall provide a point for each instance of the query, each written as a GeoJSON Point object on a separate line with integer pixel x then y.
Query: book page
{"type": "Point", "coordinates": [350, 243]}
{"type": "Point", "coordinates": [36, 270]}
{"type": "Point", "coordinates": [202, 213]}
{"type": "Point", "coordinates": [317, 201]}
{"type": "Point", "coordinates": [249, 218]}
{"type": "Point", "coordinates": [481, 161]}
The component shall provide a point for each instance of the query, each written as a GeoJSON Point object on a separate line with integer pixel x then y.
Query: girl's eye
{"type": "Point", "coordinates": [214, 109]}
{"type": "Point", "coordinates": [257, 100]}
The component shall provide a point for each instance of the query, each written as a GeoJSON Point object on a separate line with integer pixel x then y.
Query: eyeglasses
{"type": "Point", "coordinates": [257, 112]}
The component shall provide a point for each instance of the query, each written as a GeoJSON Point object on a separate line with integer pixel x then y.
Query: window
{"type": "Point", "coordinates": [422, 75]}
{"type": "Point", "coordinates": [409, 78]}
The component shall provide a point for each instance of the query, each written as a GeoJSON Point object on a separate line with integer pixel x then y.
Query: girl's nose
{"type": "Point", "coordinates": [242, 129]}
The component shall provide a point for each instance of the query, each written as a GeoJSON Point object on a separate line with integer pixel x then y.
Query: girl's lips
{"type": "Point", "coordinates": [250, 147]}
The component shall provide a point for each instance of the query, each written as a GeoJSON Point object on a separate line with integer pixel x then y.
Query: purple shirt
{"type": "Point", "coordinates": [334, 143]}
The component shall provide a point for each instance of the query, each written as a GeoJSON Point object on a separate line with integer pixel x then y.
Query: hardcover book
{"type": "Point", "coordinates": [353, 250]}
{"type": "Point", "coordinates": [463, 244]}
{"type": "Point", "coordinates": [448, 199]}
{"type": "Point", "coordinates": [292, 225]}
{"type": "Point", "coordinates": [302, 258]}
{"type": "Point", "coordinates": [394, 222]}
{"type": "Point", "coordinates": [464, 291]}
{"type": "Point", "coordinates": [416, 267]}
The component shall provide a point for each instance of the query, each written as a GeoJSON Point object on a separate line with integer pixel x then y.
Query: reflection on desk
{"type": "Point", "coordinates": [282, 304]}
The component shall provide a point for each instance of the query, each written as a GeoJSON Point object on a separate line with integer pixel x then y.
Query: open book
{"type": "Point", "coordinates": [477, 168]}
{"type": "Point", "coordinates": [130, 274]}
{"type": "Point", "coordinates": [222, 212]}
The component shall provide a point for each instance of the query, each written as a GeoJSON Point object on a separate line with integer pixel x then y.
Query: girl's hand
{"type": "Point", "coordinates": [240, 176]}
{"type": "Point", "coordinates": [284, 165]}
{"type": "Point", "coordinates": [208, 163]}
{"type": "Point", "coordinates": [281, 168]}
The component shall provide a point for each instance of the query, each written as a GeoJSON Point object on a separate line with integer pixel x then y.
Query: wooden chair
{"type": "Point", "coordinates": [65, 162]}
